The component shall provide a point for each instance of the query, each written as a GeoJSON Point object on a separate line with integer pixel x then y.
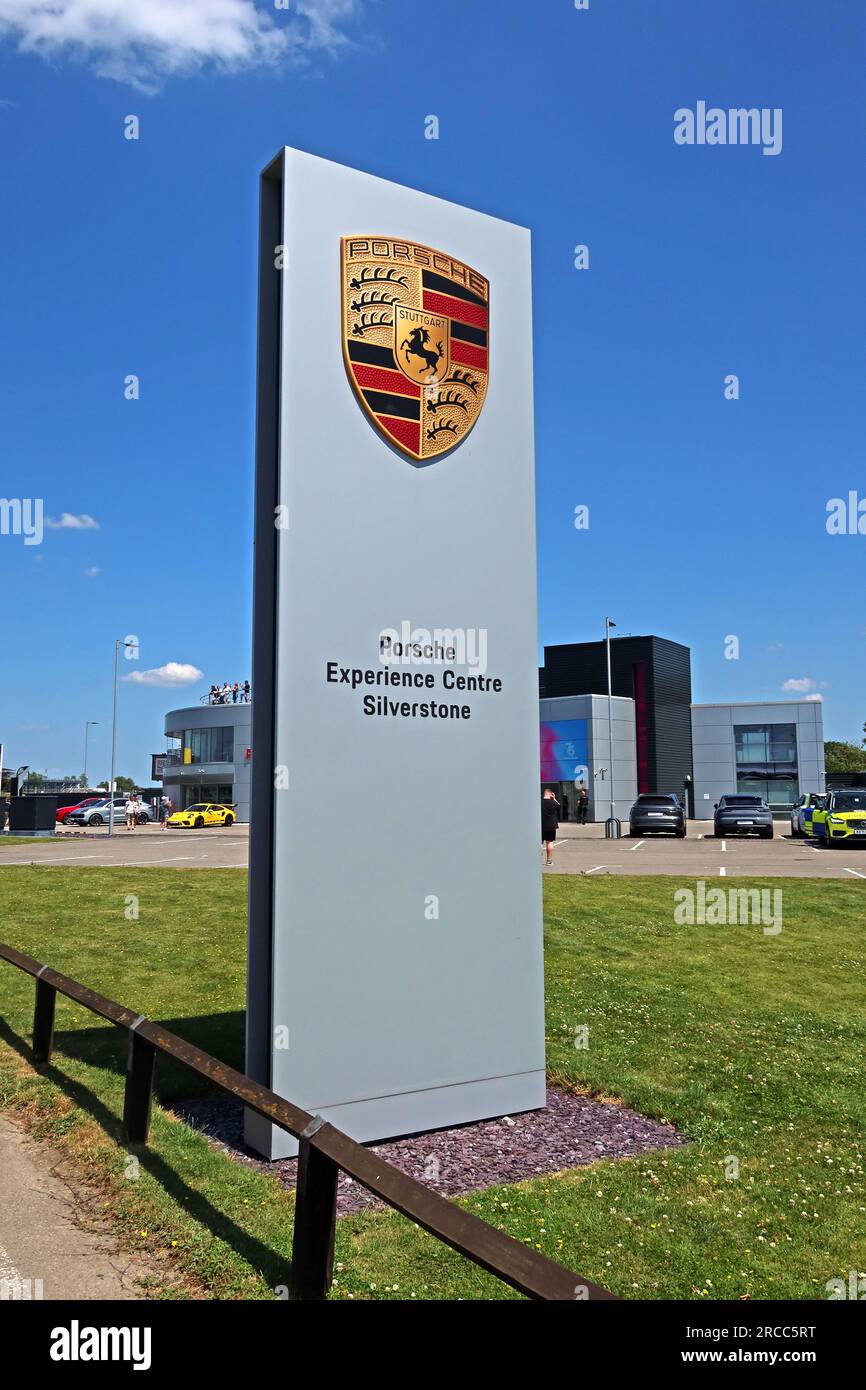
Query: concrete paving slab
{"type": "Point", "coordinates": [49, 1247]}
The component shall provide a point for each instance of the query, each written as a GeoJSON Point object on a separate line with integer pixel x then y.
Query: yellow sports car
{"type": "Point", "coordinates": [203, 813]}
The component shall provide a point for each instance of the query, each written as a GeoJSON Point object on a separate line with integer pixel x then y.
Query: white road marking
{"type": "Point", "coordinates": [145, 863]}
{"type": "Point", "coordinates": [56, 859]}
{"type": "Point", "coordinates": [640, 844]}
{"type": "Point", "coordinates": [724, 846]}
{"type": "Point", "coordinates": [855, 873]}
{"type": "Point", "coordinates": [722, 872]}
{"type": "Point", "coordinates": [596, 869]}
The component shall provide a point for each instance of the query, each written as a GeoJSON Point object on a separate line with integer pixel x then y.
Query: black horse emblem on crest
{"type": "Point", "coordinates": [414, 346]}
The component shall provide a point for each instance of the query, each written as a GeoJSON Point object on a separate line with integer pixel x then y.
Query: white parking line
{"type": "Point", "coordinates": [596, 869]}
{"type": "Point", "coordinates": [723, 872]}
{"type": "Point", "coordinates": [855, 872]}
{"type": "Point", "coordinates": [724, 846]}
{"type": "Point", "coordinates": [640, 844]}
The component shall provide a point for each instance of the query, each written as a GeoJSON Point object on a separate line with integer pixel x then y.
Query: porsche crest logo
{"type": "Point", "coordinates": [415, 329]}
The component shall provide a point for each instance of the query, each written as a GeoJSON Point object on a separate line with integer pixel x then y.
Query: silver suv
{"type": "Point", "coordinates": [97, 814]}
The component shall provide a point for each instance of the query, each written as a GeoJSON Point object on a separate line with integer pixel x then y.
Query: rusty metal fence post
{"type": "Point", "coordinates": [315, 1218]}
{"type": "Point", "coordinates": [43, 1019]}
{"type": "Point", "coordinates": [138, 1097]}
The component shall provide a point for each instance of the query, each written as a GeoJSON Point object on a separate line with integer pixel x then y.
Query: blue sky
{"type": "Point", "coordinates": [707, 515]}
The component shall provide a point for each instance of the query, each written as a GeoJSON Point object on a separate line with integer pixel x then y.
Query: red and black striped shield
{"type": "Point", "coordinates": [415, 342]}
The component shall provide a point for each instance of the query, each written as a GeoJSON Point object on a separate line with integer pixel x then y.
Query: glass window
{"type": "Point", "coordinates": [207, 794]}
{"type": "Point", "coordinates": [223, 745]}
{"type": "Point", "coordinates": [775, 790]}
{"type": "Point", "coordinates": [767, 749]}
{"type": "Point", "coordinates": [210, 745]}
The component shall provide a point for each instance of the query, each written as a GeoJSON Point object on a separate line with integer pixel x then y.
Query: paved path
{"type": "Point", "coordinates": [40, 1234]}
{"type": "Point", "coordinates": [217, 847]}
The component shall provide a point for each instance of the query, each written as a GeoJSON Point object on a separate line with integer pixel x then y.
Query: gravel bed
{"type": "Point", "coordinates": [572, 1132]}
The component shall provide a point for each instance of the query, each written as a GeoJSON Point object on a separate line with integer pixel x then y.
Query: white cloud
{"type": "Point", "coordinates": [67, 521]}
{"type": "Point", "coordinates": [143, 41]}
{"type": "Point", "coordinates": [93, 571]}
{"type": "Point", "coordinates": [819, 698]}
{"type": "Point", "coordinates": [172, 673]}
{"type": "Point", "coordinates": [799, 684]}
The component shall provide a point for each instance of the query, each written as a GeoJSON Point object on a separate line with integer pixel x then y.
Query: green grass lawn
{"type": "Point", "coordinates": [16, 840]}
{"type": "Point", "coordinates": [752, 1045]}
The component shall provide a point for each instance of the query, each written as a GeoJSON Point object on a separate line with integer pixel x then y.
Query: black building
{"type": "Point", "coordinates": [657, 675]}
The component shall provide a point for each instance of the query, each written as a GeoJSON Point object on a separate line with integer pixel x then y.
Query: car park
{"type": "Point", "coordinates": [801, 813]}
{"type": "Point", "coordinates": [657, 813]}
{"type": "Point", "coordinates": [203, 813]}
{"type": "Point", "coordinates": [841, 819]}
{"type": "Point", "coordinates": [63, 812]}
{"type": "Point", "coordinates": [742, 815]}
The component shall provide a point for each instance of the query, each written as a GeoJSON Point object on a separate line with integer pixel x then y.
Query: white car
{"type": "Point", "coordinates": [97, 814]}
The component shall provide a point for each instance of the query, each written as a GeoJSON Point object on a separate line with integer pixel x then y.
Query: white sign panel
{"type": "Point", "coordinates": [395, 979]}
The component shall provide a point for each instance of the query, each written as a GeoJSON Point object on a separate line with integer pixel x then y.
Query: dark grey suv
{"type": "Point", "coordinates": [657, 813]}
{"type": "Point", "coordinates": [743, 815]}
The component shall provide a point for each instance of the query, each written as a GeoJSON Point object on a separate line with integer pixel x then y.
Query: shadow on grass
{"type": "Point", "coordinates": [273, 1268]}
{"type": "Point", "coordinates": [104, 1046]}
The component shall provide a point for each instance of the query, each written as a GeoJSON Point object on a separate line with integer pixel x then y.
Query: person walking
{"type": "Point", "coordinates": [130, 808]}
{"type": "Point", "coordinates": [166, 808]}
{"type": "Point", "coordinates": [582, 805]}
{"type": "Point", "coordinates": [549, 823]}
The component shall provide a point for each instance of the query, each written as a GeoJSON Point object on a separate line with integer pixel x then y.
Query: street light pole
{"type": "Point", "coordinates": [87, 726]}
{"type": "Point", "coordinates": [608, 624]}
{"type": "Point", "coordinates": [118, 643]}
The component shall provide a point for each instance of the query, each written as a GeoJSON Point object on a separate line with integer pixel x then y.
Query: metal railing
{"type": "Point", "coordinates": [323, 1153]}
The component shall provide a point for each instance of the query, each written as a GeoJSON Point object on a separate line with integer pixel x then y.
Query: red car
{"type": "Point", "coordinates": [63, 812]}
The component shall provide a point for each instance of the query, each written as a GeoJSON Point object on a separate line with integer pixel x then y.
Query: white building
{"type": "Point", "coordinates": [209, 756]}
